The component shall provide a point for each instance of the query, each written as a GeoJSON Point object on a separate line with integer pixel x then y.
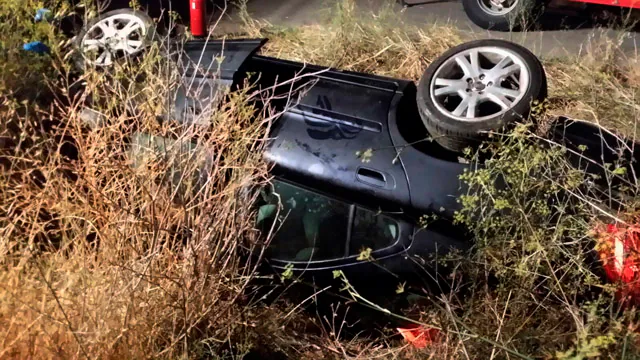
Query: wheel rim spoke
{"type": "Point", "coordinates": [503, 62]}
{"type": "Point", "coordinates": [101, 59]}
{"type": "Point", "coordinates": [450, 86]}
{"type": "Point", "coordinates": [471, 108]}
{"type": "Point", "coordinates": [475, 63]}
{"type": "Point", "coordinates": [134, 44]}
{"type": "Point", "coordinates": [500, 69]}
{"type": "Point", "coordinates": [497, 7]}
{"type": "Point", "coordinates": [499, 99]}
{"type": "Point", "coordinates": [131, 27]}
{"type": "Point", "coordinates": [105, 29]}
{"type": "Point", "coordinates": [462, 107]}
{"type": "Point", "coordinates": [104, 58]}
{"type": "Point", "coordinates": [107, 60]}
{"type": "Point", "coordinates": [466, 67]}
{"type": "Point", "coordinates": [92, 44]}
{"type": "Point", "coordinates": [508, 71]}
{"type": "Point", "coordinates": [110, 26]}
{"type": "Point", "coordinates": [498, 90]}
{"type": "Point", "coordinates": [467, 107]}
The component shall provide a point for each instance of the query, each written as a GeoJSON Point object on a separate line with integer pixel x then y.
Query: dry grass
{"type": "Point", "coordinates": [602, 86]}
{"type": "Point", "coordinates": [131, 237]}
{"type": "Point", "coordinates": [98, 256]}
{"type": "Point", "coordinates": [378, 44]}
{"type": "Point", "coordinates": [108, 255]}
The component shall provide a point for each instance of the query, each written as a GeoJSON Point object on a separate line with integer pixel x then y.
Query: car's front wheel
{"type": "Point", "coordinates": [478, 87]}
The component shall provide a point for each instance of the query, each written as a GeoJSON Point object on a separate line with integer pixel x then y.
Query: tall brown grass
{"type": "Point", "coordinates": [130, 238]}
{"type": "Point", "coordinates": [118, 247]}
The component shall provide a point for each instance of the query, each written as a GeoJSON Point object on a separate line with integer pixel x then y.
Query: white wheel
{"type": "Point", "coordinates": [477, 87]}
{"type": "Point", "coordinates": [480, 83]}
{"type": "Point", "coordinates": [114, 35]}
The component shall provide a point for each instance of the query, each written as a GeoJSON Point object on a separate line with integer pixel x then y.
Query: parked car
{"type": "Point", "coordinates": [505, 15]}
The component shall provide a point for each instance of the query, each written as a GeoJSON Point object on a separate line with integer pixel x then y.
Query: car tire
{"type": "Point", "coordinates": [499, 88]}
{"type": "Point", "coordinates": [520, 15]}
{"type": "Point", "coordinates": [93, 36]}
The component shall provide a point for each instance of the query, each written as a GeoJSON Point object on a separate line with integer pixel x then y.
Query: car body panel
{"type": "Point", "coordinates": [633, 4]}
{"type": "Point", "coordinates": [433, 173]}
{"type": "Point", "coordinates": [354, 112]}
{"type": "Point", "coordinates": [592, 146]}
{"type": "Point", "coordinates": [210, 69]}
{"type": "Point", "coordinates": [337, 134]}
{"type": "Point", "coordinates": [329, 120]}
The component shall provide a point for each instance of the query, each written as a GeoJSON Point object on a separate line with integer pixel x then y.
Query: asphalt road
{"type": "Point", "coordinates": [559, 34]}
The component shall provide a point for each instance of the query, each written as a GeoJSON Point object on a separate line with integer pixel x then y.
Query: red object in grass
{"type": "Point", "coordinates": [198, 14]}
{"type": "Point", "coordinates": [619, 249]}
{"type": "Point", "coordinates": [420, 337]}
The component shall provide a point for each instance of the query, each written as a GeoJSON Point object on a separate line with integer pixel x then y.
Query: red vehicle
{"type": "Point", "coordinates": [504, 15]}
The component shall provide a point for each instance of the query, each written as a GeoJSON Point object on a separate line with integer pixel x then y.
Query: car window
{"type": "Point", "coordinates": [309, 226]}
{"type": "Point", "coordinates": [372, 230]}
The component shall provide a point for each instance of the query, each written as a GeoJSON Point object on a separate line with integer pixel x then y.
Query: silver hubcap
{"type": "Point", "coordinates": [114, 36]}
{"type": "Point", "coordinates": [479, 83]}
{"type": "Point", "coordinates": [497, 7]}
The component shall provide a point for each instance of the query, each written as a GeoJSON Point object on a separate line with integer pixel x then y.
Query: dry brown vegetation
{"type": "Point", "coordinates": [108, 255]}
{"type": "Point", "coordinates": [102, 259]}
{"type": "Point", "coordinates": [98, 259]}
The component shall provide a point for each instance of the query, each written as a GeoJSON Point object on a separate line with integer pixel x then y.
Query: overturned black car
{"type": "Point", "coordinates": [359, 160]}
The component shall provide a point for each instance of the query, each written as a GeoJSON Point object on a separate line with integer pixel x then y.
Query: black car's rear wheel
{"type": "Point", "coordinates": [477, 87]}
